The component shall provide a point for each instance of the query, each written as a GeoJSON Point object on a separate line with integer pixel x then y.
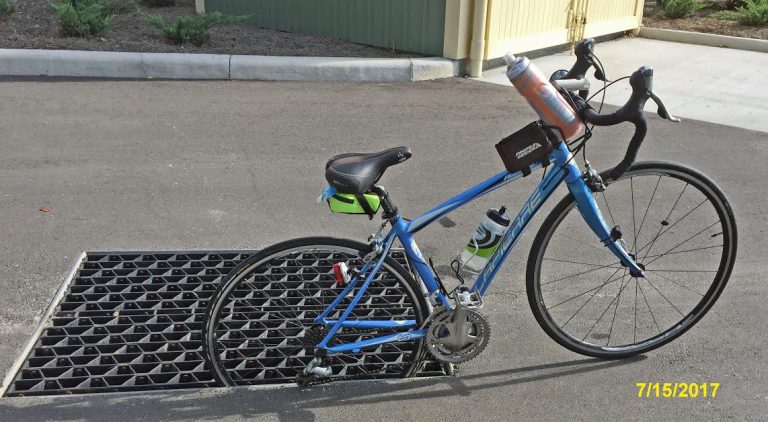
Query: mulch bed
{"type": "Point", "coordinates": [700, 21]}
{"type": "Point", "coordinates": [35, 25]}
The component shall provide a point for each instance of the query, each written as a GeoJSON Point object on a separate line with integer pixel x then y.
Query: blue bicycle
{"type": "Point", "coordinates": [629, 260]}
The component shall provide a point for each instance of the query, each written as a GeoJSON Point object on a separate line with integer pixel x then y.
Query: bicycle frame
{"type": "Point", "coordinates": [564, 169]}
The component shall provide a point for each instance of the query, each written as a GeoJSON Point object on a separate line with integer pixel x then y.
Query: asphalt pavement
{"type": "Point", "coordinates": [229, 165]}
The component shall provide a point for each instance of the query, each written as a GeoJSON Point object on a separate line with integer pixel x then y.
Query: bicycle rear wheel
{"type": "Point", "coordinates": [681, 229]}
{"type": "Point", "coordinates": [259, 323]}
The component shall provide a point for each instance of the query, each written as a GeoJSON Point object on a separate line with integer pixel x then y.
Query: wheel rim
{"type": "Point", "coordinates": [258, 333]}
{"type": "Point", "coordinates": [604, 309]}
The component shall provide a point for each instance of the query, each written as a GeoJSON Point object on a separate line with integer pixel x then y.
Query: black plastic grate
{"type": "Point", "coordinates": [132, 321]}
{"type": "Point", "coordinates": [263, 324]}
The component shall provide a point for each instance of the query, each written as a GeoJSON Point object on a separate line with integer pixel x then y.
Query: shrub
{"type": "Point", "coordinates": [716, 5]}
{"type": "Point", "coordinates": [754, 13]}
{"type": "Point", "coordinates": [194, 29]}
{"type": "Point", "coordinates": [735, 4]}
{"type": "Point", "coordinates": [86, 18]}
{"type": "Point", "coordinates": [118, 7]}
{"type": "Point", "coordinates": [726, 15]}
{"type": "Point", "coordinates": [681, 8]}
{"type": "Point", "coordinates": [160, 3]}
{"type": "Point", "coordinates": [6, 8]}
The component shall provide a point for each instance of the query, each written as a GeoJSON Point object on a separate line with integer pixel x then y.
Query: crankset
{"type": "Point", "coordinates": [457, 335]}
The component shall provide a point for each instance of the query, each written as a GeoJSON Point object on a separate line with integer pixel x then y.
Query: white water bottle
{"type": "Point", "coordinates": [485, 241]}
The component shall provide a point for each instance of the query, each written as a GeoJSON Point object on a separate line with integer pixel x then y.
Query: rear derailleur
{"type": "Point", "coordinates": [320, 366]}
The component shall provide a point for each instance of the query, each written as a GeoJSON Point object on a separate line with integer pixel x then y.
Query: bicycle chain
{"type": "Point", "coordinates": [314, 336]}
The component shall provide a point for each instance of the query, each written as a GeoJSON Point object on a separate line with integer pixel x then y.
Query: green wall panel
{"type": "Point", "coordinates": [410, 25]}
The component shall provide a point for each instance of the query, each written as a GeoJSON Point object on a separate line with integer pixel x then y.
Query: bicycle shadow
{"type": "Point", "coordinates": [286, 403]}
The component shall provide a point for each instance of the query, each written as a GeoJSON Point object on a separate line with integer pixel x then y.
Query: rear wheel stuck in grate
{"type": "Point", "coordinates": [259, 325]}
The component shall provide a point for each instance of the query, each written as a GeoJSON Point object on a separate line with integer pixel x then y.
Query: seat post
{"type": "Point", "coordinates": [390, 210]}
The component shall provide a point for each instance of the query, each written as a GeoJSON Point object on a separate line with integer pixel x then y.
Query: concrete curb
{"type": "Point", "coordinates": [712, 40]}
{"type": "Point", "coordinates": [105, 64]}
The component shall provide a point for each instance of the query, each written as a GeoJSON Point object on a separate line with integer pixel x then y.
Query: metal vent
{"type": "Point", "coordinates": [130, 321]}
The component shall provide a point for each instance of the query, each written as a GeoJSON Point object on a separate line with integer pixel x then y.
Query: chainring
{"type": "Point", "coordinates": [445, 342]}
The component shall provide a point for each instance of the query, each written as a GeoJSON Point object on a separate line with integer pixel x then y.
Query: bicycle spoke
{"type": "Point", "coordinates": [679, 285]}
{"type": "Point", "coordinates": [670, 227]}
{"type": "Point", "coordinates": [682, 271]}
{"type": "Point", "coordinates": [687, 250]}
{"type": "Point", "coordinates": [645, 299]}
{"type": "Point", "coordinates": [634, 335]}
{"type": "Point", "coordinates": [646, 209]}
{"type": "Point", "coordinates": [575, 262]}
{"type": "Point", "coordinates": [585, 243]}
{"type": "Point", "coordinates": [281, 302]}
{"type": "Point", "coordinates": [588, 300]}
{"type": "Point", "coordinates": [669, 214]}
{"type": "Point", "coordinates": [606, 310]}
{"type": "Point", "coordinates": [261, 333]}
{"type": "Point", "coordinates": [634, 221]}
{"type": "Point", "coordinates": [681, 243]}
{"type": "Point", "coordinates": [588, 291]}
{"type": "Point", "coordinates": [615, 309]}
{"type": "Point", "coordinates": [665, 298]}
{"type": "Point", "coordinates": [581, 273]}
{"type": "Point", "coordinates": [672, 213]}
{"type": "Point", "coordinates": [610, 213]}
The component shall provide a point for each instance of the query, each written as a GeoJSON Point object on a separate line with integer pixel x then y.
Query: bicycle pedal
{"type": "Point", "coordinates": [468, 299]}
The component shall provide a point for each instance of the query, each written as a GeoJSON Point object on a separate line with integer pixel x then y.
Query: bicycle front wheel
{"type": "Point", "coordinates": [259, 325]}
{"type": "Point", "coordinates": [677, 224]}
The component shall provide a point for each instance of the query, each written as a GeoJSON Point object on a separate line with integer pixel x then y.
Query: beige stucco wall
{"type": "Point", "coordinates": [525, 25]}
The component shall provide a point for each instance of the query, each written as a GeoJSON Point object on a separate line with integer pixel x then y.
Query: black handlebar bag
{"type": "Point", "coordinates": [525, 147]}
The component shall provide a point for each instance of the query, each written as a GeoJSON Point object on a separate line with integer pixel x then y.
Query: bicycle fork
{"type": "Point", "coordinates": [611, 238]}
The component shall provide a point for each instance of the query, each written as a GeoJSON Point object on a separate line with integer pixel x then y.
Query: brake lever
{"type": "Point", "coordinates": [599, 75]}
{"type": "Point", "coordinates": [662, 110]}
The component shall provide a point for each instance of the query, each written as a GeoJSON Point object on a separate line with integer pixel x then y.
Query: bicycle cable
{"type": "Point", "coordinates": [605, 82]}
{"type": "Point", "coordinates": [581, 142]}
{"type": "Point", "coordinates": [606, 86]}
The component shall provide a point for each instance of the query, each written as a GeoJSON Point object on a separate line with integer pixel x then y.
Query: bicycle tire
{"type": "Point", "coordinates": [391, 271]}
{"type": "Point", "coordinates": [541, 310]}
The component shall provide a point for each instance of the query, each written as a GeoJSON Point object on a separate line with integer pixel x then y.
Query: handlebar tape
{"type": "Point", "coordinates": [631, 112]}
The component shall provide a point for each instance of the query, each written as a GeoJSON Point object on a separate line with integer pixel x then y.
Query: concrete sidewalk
{"type": "Point", "coordinates": [712, 84]}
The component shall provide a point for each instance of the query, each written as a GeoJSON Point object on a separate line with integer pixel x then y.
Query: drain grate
{"type": "Point", "coordinates": [130, 321]}
{"type": "Point", "coordinates": [260, 335]}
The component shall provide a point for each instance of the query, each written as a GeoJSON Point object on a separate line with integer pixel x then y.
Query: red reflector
{"type": "Point", "coordinates": [339, 273]}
